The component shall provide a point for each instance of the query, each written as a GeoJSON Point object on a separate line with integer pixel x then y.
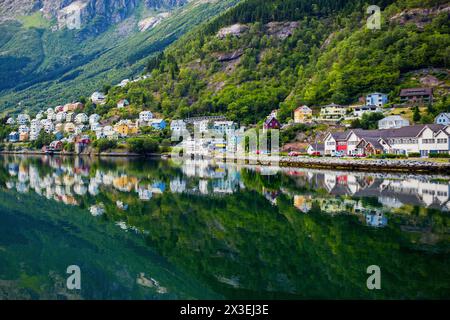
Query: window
{"type": "Point", "coordinates": [442, 140]}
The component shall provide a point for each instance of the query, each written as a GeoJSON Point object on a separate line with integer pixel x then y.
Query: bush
{"type": "Point", "coordinates": [69, 147]}
{"type": "Point", "coordinates": [142, 145]}
{"type": "Point", "coordinates": [414, 155]}
{"type": "Point", "coordinates": [439, 155]}
{"type": "Point", "coordinates": [105, 144]}
{"type": "Point", "coordinates": [44, 139]}
{"type": "Point", "coordinates": [388, 156]}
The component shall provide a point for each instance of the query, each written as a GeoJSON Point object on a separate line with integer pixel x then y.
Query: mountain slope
{"type": "Point", "coordinates": [38, 64]}
{"type": "Point", "coordinates": [279, 57]}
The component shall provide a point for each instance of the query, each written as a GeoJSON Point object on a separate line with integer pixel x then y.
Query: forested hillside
{"type": "Point", "coordinates": [282, 53]}
{"type": "Point", "coordinates": [41, 66]}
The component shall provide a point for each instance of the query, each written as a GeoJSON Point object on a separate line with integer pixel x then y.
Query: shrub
{"type": "Point", "coordinates": [439, 155]}
{"type": "Point", "coordinates": [105, 144]}
{"type": "Point", "coordinates": [388, 156]}
{"type": "Point", "coordinates": [414, 155]}
{"type": "Point", "coordinates": [142, 145]}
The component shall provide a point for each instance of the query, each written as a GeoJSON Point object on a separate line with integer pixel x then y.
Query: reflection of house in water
{"type": "Point", "coordinates": [397, 192]}
{"type": "Point", "coordinates": [122, 206]}
{"type": "Point", "coordinates": [271, 195]}
{"type": "Point", "coordinates": [393, 193]}
{"type": "Point", "coordinates": [376, 219]}
{"type": "Point", "coordinates": [373, 217]}
{"type": "Point", "coordinates": [144, 193]}
{"type": "Point", "coordinates": [93, 188]}
{"type": "Point", "coordinates": [177, 185]}
{"type": "Point", "coordinates": [158, 187]}
{"type": "Point", "coordinates": [150, 283]}
{"type": "Point", "coordinates": [80, 189]}
{"type": "Point", "coordinates": [97, 210]}
{"type": "Point", "coordinates": [125, 183]}
{"type": "Point", "coordinates": [203, 186]}
{"type": "Point", "coordinates": [13, 169]}
{"type": "Point", "coordinates": [303, 203]}
{"type": "Point", "coordinates": [224, 186]}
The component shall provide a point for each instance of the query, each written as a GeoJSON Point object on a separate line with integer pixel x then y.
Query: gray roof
{"type": "Point", "coordinates": [318, 146]}
{"type": "Point", "coordinates": [447, 114]}
{"type": "Point", "coordinates": [404, 132]}
{"type": "Point", "coordinates": [416, 92]}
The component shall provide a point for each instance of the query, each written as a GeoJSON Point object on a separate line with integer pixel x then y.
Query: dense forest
{"type": "Point", "coordinates": [41, 67]}
{"type": "Point", "coordinates": [330, 56]}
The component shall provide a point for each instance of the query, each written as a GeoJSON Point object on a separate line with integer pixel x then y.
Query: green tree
{"type": "Point", "coordinates": [105, 144]}
{"type": "Point", "coordinates": [142, 145]}
{"type": "Point", "coordinates": [416, 114]}
{"type": "Point", "coordinates": [44, 139]}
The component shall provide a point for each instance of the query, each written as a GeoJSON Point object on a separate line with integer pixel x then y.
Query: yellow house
{"type": "Point", "coordinates": [125, 128]}
{"type": "Point", "coordinates": [302, 114]}
{"type": "Point", "coordinates": [69, 127]}
{"type": "Point", "coordinates": [23, 136]}
{"type": "Point", "coordinates": [333, 112]}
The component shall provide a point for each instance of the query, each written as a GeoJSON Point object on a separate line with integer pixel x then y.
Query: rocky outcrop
{"type": "Point", "coordinates": [230, 56]}
{"type": "Point", "coordinates": [419, 16]}
{"type": "Point", "coordinates": [152, 22]}
{"type": "Point", "coordinates": [76, 14]}
{"type": "Point", "coordinates": [281, 30]}
{"type": "Point", "coordinates": [234, 30]}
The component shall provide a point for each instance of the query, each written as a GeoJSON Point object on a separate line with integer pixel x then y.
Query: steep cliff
{"type": "Point", "coordinates": [76, 14]}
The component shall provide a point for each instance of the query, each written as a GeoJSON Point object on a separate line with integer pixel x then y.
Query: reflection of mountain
{"type": "Point", "coordinates": [238, 245]}
{"type": "Point", "coordinates": [40, 239]}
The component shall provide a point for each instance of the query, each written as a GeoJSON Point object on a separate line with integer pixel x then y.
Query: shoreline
{"type": "Point", "coordinates": [362, 165]}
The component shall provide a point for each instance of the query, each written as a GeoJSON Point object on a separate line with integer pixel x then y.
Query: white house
{"type": "Point", "coordinates": [94, 118]}
{"type": "Point", "coordinates": [358, 111]}
{"type": "Point", "coordinates": [432, 141]}
{"type": "Point", "coordinates": [98, 98]}
{"type": "Point", "coordinates": [48, 126]}
{"type": "Point", "coordinates": [377, 99]}
{"type": "Point", "coordinates": [10, 121]}
{"type": "Point", "coordinates": [443, 118]}
{"type": "Point", "coordinates": [70, 117]}
{"type": "Point", "coordinates": [61, 117]}
{"type": "Point", "coordinates": [392, 122]}
{"type": "Point", "coordinates": [145, 116]}
{"type": "Point", "coordinates": [95, 126]}
{"type": "Point", "coordinates": [51, 115]}
{"type": "Point", "coordinates": [201, 126]}
{"type": "Point", "coordinates": [224, 127]}
{"type": "Point", "coordinates": [123, 83]}
{"type": "Point", "coordinates": [122, 103]}
{"type": "Point", "coordinates": [81, 118]}
{"type": "Point", "coordinates": [23, 119]}
{"type": "Point", "coordinates": [177, 125]}
{"type": "Point", "coordinates": [333, 112]}
{"type": "Point", "coordinates": [24, 129]}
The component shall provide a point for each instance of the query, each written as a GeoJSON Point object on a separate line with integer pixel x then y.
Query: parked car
{"type": "Point", "coordinates": [337, 154]}
{"type": "Point", "coordinates": [293, 154]}
{"type": "Point", "coordinates": [316, 154]}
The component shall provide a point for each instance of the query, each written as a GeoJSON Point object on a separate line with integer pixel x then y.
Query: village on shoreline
{"type": "Point", "coordinates": [397, 144]}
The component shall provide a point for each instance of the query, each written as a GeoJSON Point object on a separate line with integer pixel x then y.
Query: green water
{"type": "Point", "coordinates": [151, 229]}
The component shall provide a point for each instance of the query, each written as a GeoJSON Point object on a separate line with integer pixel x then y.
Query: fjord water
{"type": "Point", "coordinates": [154, 229]}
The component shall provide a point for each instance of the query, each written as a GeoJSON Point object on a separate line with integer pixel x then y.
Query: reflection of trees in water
{"type": "Point", "coordinates": [239, 246]}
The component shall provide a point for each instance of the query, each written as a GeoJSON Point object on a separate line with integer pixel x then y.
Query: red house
{"type": "Point", "coordinates": [56, 146]}
{"type": "Point", "coordinates": [272, 123]}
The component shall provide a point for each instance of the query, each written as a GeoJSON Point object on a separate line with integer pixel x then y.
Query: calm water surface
{"type": "Point", "coordinates": [150, 229]}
